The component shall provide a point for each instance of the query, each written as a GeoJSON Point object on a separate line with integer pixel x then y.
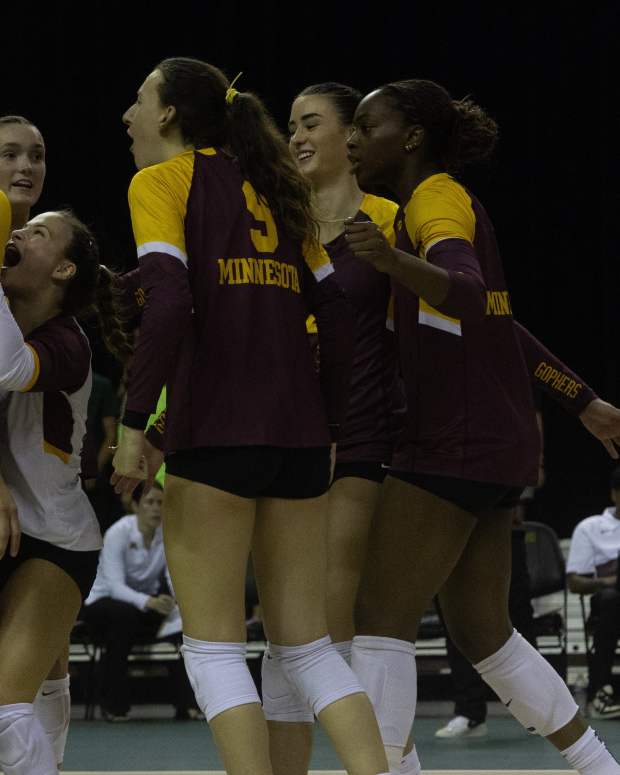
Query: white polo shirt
{"type": "Point", "coordinates": [128, 570]}
{"type": "Point", "coordinates": [595, 545]}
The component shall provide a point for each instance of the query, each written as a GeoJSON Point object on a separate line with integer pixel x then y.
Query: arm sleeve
{"type": "Point", "coordinates": [155, 432]}
{"type": "Point", "coordinates": [549, 374]}
{"type": "Point", "coordinates": [336, 335]}
{"type": "Point", "coordinates": [580, 555]}
{"type": "Point", "coordinates": [113, 570]}
{"type": "Point", "coordinates": [55, 357]}
{"type": "Point", "coordinates": [158, 224]}
{"type": "Point", "coordinates": [441, 225]}
{"type": "Point", "coordinates": [132, 295]}
{"type": "Point", "coordinates": [466, 297]}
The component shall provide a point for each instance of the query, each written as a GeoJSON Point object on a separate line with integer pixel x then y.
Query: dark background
{"type": "Point", "coordinates": [546, 72]}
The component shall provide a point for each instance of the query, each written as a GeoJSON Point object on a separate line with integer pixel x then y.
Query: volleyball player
{"type": "Point", "coordinates": [22, 175]}
{"type": "Point", "coordinates": [230, 266]}
{"type": "Point", "coordinates": [470, 441]}
{"type": "Point", "coordinates": [49, 536]}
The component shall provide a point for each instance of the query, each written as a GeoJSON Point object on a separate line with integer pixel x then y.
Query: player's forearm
{"type": "Point", "coordinates": [449, 280]}
{"type": "Point", "coordinates": [552, 376]}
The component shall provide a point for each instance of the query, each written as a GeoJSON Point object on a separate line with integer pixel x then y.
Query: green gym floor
{"type": "Point", "coordinates": [152, 742]}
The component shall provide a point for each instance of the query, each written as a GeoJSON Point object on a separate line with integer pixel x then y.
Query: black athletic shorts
{"type": "Point", "coordinates": [80, 566]}
{"type": "Point", "coordinates": [376, 472]}
{"type": "Point", "coordinates": [257, 471]}
{"type": "Point", "coordinates": [468, 495]}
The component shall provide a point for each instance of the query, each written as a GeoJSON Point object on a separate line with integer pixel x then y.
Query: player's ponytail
{"type": "Point", "coordinates": [93, 287]}
{"type": "Point", "coordinates": [266, 162]}
{"type": "Point", "coordinates": [456, 132]}
{"type": "Point", "coordinates": [240, 124]}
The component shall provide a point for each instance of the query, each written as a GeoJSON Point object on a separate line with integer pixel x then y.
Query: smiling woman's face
{"type": "Point", "coordinates": [22, 164]}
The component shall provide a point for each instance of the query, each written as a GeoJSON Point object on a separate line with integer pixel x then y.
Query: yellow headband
{"type": "Point", "coordinates": [230, 92]}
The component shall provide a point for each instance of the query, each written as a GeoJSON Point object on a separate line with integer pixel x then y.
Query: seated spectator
{"type": "Point", "coordinates": [592, 568]}
{"type": "Point", "coordinates": [130, 599]}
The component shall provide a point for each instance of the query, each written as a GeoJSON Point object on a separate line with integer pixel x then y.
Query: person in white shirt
{"type": "Point", "coordinates": [592, 569]}
{"type": "Point", "coordinates": [126, 601]}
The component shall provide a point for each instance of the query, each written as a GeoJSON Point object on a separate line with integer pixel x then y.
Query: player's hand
{"type": "Point", "coordinates": [129, 462]}
{"type": "Point", "coordinates": [367, 241]}
{"type": "Point", "coordinates": [603, 421]}
{"type": "Point", "coordinates": [332, 462]}
{"type": "Point", "coordinates": [10, 531]}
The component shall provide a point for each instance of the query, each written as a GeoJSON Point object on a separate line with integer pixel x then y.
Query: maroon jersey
{"type": "Point", "coordinates": [470, 407]}
{"type": "Point", "coordinates": [223, 325]}
{"type": "Point", "coordinates": [376, 402]}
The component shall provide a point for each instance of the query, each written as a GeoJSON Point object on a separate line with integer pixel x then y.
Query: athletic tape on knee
{"type": "Point", "coordinates": [528, 686]}
{"type": "Point", "coordinates": [319, 673]}
{"type": "Point", "coordinates": [386, 669]}
{"type": "Point", "coordinates": [24, 747]}
{"type": "Point", "coordinates": [52, 706]}
{"type": "Point", "coordinates": [281, 700]}
{"type": "Point", "coordinates": [219, 675]}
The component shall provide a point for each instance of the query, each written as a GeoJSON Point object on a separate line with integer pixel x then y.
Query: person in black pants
{"type": "Point", "coordinates": [129, 601]}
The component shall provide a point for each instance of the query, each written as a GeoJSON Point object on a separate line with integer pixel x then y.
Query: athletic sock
{"type": "Point", "coordinates": [589, 756]}
{"type": "Point", "coordinates": [52, 706]}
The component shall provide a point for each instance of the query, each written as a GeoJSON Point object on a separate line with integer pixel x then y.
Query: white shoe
{"type": "Point", "coordinates": [461, 726]}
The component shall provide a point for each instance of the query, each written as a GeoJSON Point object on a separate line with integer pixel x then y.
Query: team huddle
{"type": "Point", "coordinates": [349, 401]}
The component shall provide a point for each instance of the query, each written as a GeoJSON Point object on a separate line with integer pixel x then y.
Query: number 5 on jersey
{"type": "Point", "coordinates": [266, 240]}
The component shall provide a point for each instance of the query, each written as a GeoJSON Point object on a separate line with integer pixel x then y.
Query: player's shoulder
{"type": "Point", "coordinates": [165, 174]}
{"type": "Point", "coordinates": [380, 210]}
{"type": "Point", "coordinates": [440, 187]}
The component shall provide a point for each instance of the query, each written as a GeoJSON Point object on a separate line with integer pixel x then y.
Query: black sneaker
{"type": "Point", "coordinates": [605, 704]}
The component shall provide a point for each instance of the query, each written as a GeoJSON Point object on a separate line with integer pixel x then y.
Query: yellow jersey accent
{"type": "Point", "coordinates": [317, 259]}
{"type": "Point", "coordinates": [439, 208]}
{"type": "Point", "coordinates": [382, 212]}
{"type": "Point", "coordinates": [311, 326]}
{"type": "Point", "coordinates": [35, 373]}
{"type": "Point", "coordinates": [5, 224]}
{"type": "Point", "coordinates": [52, 450]}
{"type": "Point", "coordinates": [158, 203]}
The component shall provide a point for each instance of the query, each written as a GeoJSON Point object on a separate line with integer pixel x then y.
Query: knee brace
{"type": "Point", "coordinates": [281, 700]}
{"type": "Point", "coordinates": [318, 672]}
{"type": "Point", "coordinates": [24, 747]}
{"type": "Point", "coordinates": [386, 669]}
{"type": "Point", "coordinates": [219, 675]}
{"type": "Point", "coordinates": [528, 686]}
{"type": "Point", "coordinates": [52, 706]}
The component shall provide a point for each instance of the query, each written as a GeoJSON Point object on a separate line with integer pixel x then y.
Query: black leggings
{"type": "Point", "coordinates": [117, 626]}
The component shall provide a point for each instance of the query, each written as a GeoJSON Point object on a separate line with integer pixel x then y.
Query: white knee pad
{"type": "Point", "coordinates": [281, 700]}
{"type": "Point", "coordinates": [528, 686]}
{"type": "Point", "coordinates": [386, 669]}
{"type": "Point", "coordinates": [343, 647]}
{"type": "Point", "coordinates": [24, 747]}
{"type": "Point", "coordinates": [219, 675]}
{"type": "Point", "coordinates": [318, 672]}
{"type": "Point", "coordinates": [52, 706]}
